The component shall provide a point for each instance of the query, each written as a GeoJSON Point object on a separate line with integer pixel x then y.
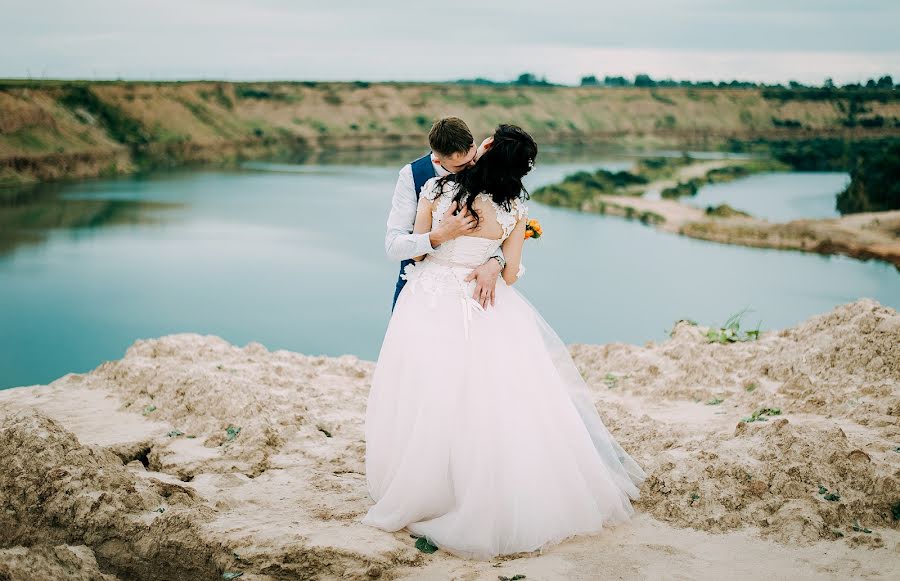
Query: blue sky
{"type": "Point", "coordinates": [765, 40]}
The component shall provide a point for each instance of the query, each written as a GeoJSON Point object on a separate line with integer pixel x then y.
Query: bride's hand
{"type": "Point", "coordinates": [486, 277]}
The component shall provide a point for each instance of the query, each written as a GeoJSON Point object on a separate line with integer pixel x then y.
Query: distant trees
{"type": "Point", "coordinates": [644, 80]}
{"type": "Point", "coordinates": [530, 80]}
{"type": "Point", "coordinates": [525, 80]}
{"type": "Point", "coordinates": [793, 89]}
{"type": "Point", "coordinates": [874, 181]}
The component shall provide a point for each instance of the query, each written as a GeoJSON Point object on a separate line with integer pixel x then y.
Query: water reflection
{"type": "Point", "coordinates": [28, 215]}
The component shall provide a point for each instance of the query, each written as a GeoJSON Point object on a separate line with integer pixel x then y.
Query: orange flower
{"type": "Point", "coordinates": [533, 229]}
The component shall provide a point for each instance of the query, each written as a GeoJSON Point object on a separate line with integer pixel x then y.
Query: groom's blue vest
{"type": "Point", "coordinates": [422, 171]}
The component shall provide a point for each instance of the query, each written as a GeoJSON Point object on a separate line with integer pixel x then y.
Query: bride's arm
{"type": "Point", "coordinates": [512, 250]}
{"type": "Point", "coordinates": [423, 220]}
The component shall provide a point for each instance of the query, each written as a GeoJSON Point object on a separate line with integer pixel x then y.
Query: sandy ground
{"type": "Point", "coordinates": [191, 458]}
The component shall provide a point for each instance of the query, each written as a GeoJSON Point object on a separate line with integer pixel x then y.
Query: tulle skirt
{"type": "Point", "coordinates": [481, 435]}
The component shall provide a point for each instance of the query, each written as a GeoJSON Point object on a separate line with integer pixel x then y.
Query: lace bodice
{"type": "Point", "coordinates": [443, 271]}
{"type": "Point", "coordinates": [469, 250]}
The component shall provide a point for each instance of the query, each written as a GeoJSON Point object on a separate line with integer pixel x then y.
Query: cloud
{"type": "Point", "coordinates": [401, 39]}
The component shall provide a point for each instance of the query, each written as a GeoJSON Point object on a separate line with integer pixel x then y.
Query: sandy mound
{"type": "Point", "coordinates": [830, 363]}
{"type": "Point", "coordinates": [191, 457]}
{"type": "Point", "coordinates": [44, 562]}
{"type": "Point", "coordinates": [57, 490]}
{"type": "Point", "coordinates": [833, 387]}
{"type": "Point", "coordinates": [243, 404]}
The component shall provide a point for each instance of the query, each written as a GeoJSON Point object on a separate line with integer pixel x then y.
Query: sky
{"type": "Point", "coordinates": [563, 40]}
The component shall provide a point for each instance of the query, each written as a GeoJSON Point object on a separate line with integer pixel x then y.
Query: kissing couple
{"type": "Point", "coordinates": [481, 435]}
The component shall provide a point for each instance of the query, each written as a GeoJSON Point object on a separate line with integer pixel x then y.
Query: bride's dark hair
{"type": "Point", "coordinates": [499, 170]}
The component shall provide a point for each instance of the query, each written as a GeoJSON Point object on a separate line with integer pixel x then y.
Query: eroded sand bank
{"type": "Point", "coordinates": [190, 457]}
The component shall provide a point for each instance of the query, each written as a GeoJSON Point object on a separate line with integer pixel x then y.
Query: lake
{"type": "Point", "coordinates": [292, 256]}
{"type": "Point", "coordinates": [777, 196]}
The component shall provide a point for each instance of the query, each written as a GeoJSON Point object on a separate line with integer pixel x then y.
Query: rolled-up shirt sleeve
{"type": "Point", "coordinates": [399, 242]}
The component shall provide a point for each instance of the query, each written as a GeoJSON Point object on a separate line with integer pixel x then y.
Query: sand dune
{"type": "Point", "coordinates": [191, 457]}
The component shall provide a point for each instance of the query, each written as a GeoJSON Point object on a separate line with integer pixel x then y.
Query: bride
{"type": "Point", "coordinates": [481, 435]}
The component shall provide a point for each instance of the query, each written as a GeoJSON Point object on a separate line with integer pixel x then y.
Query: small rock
{"type": "Point", "coordinates": [859, 456]}
{"type": "Point", "coordinates": [758, 487]}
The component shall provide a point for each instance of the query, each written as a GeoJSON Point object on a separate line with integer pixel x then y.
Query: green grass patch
{"type": "Point", "coordinates": [484, 96]}
{"type": "Point", "coordinates": [217, 94]}
{"type": "Point", "coordinates": [731, 331]}
{"type": "Point", "coordinates": [724, 211]}
{"type": "Point", "coordinates": [269, 92]}
{"type": "Point", "coordinates": [656, 168]}
{"type": "Point", "coordinates": [661, 98]}
{"type": "Point", "coordinates": [200, 111]}
{"type": "Point", "coordinates": [583, 186]}
{"type": "Point", "coordinates": [760, 415]}
{"type": "Point", "coordinates": [114, 120]}
{"type": "Point", "coordinates": [25, 139]}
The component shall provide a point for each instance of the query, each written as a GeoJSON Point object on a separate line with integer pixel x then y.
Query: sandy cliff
{"type": "Point", "coordinates": [55, 129]}
{"type": "Point", "coordinates": [191, 458]}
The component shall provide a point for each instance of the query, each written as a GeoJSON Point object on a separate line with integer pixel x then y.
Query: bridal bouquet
{"type": "Point", "coordinates": [533, 229]}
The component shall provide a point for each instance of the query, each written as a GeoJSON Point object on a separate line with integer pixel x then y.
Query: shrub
{"type": "Point", "coordinates": [874, 181]}
{"type": "Point", "coordinates": [333, 98]}
{"type": "Point", "coordinates": [116, 122]}
{"type": "Point", "coordinates": [789, 123]}
{"type": "Point", "coordinates": [662, 98]}
{"type": "Point", "coordinates": [731, 332]}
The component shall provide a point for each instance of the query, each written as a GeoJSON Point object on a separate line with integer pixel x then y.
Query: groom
{"type": "Point", "coordinates": [452, 150]}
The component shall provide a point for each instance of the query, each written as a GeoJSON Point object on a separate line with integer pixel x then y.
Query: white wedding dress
{"type": "Point", "coordinates": [481, 434]}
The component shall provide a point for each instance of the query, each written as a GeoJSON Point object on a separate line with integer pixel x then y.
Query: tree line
{"type": "Point", "coordinates": [885, 82]}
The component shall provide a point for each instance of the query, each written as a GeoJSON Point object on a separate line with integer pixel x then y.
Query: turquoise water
{"type": "Point", "coordinates": [293, 257]}
{"type": "Point", "coordinates": [778, 197]}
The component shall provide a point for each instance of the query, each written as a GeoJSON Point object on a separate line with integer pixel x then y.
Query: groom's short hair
{"type": "Point", "coordinates": [450, 135]}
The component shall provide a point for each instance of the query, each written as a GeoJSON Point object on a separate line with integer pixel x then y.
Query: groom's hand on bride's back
{"type": "Point", "coordinates": [485, 277]}
{"type": "Point", "coordinates": [452, 226]}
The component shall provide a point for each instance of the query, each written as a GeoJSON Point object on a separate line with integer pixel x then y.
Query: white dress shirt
{"type": "Point", "coordinates": [400, 243]}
